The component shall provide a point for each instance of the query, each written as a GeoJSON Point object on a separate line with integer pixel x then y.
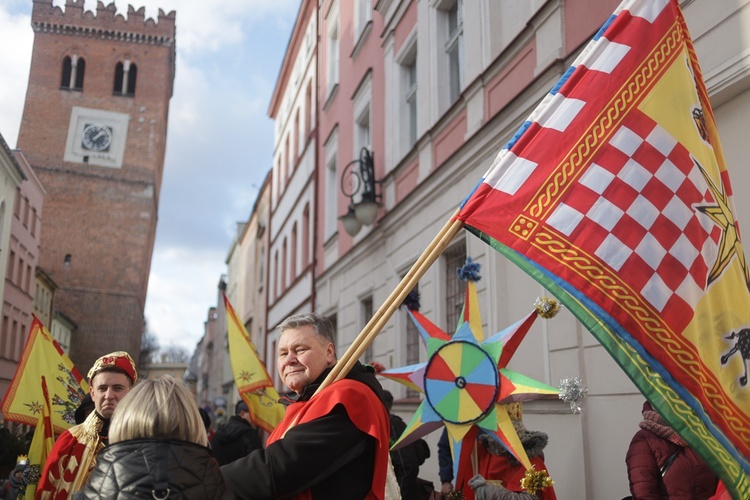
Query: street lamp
{"type": "Point", "coordinates": [360, 181]}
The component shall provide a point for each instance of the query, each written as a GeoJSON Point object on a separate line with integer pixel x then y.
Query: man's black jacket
{"type": "Point", "coordinates": [329, 456]}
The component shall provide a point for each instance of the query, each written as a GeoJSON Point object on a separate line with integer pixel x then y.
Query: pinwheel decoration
{"type": "Point", "coordinates": [466, 382]}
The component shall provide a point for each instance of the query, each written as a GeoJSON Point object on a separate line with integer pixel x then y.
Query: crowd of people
{"type": "Point", "coordinates": [149, 439]}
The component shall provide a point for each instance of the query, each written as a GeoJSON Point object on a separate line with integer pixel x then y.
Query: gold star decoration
{"type": "Point", "coordinates": [246, 376]}
{"type": "Point", "coordinates": [730, 245]}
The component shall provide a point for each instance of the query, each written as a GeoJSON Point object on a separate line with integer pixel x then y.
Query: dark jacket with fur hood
{"type": "Point", "coordinates": [496, 463]}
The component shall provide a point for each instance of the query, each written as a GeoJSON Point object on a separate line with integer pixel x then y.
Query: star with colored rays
{"type": "Point", "coordinates": [730, 245]}
{"type": "Point", "coordinates": [466, 384]}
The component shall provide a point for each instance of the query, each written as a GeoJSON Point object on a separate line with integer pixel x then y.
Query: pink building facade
{"type": "Point", "coordinates": [290, 279]}
{"type": "Point", "coordinates": [23, 256]}
{"type": "Point", "coordinates": [434, 89]}
{"type": "Point", "coordinates": [12, 176]}
{"type": "Point", "coordinates": [431, 90]}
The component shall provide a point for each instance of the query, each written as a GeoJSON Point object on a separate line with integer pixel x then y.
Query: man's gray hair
{"type": "Point", "coordinates": [320, 324]}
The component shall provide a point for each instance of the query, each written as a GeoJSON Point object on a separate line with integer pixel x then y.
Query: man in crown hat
{"type": "Point", "coordinates": [15, 485]}
{"type": "Point", "coordinates": [498, 474]}
{"type": "Point", "coordinates": [73, 456]}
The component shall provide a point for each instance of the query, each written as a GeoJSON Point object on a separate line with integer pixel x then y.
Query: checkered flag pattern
{"type": "Point", "coordinates": [636, 207]}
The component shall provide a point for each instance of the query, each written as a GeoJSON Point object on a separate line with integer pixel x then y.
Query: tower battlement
{"type": "Point", "coordinates": [105, 23]}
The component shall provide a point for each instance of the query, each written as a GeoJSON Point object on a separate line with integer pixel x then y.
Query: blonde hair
{"type": "Point", "coordinates": [162, 408]}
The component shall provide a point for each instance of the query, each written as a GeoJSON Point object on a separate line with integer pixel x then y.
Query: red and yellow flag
{"type": "Point", "coordinates": [615, 195]}
{"type": "Point", "coordinates": [41, 444]}
{"type": "Point", "coordinates": [250, 375]}
{"type": "Point", "coordinates": [42, 356]}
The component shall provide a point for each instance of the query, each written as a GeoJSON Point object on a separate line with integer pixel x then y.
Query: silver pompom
{"type": "Point", "coordinates": [546, 307]}
{"type": "Point", "coordinates": [572, 391]}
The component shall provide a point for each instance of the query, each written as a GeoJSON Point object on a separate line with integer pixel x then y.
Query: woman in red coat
{"type": "Point", "coordinates": [661, 465]}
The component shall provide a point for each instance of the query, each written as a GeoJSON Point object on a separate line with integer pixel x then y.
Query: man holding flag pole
{"type": "Point", "coordinates": [615, 196]}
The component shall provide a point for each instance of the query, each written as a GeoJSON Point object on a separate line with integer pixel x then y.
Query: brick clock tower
{"type": "Point", "coordinates": [94, 129]}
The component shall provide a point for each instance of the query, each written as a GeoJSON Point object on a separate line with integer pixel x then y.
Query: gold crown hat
{"type": "Point", "coordinates": [515, 412]}
{"type": "Point", "coordinates": [119, 361]}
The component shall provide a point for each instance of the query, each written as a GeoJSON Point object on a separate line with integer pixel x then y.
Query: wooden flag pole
{"type": "Point", "coordinates": [394, 300]}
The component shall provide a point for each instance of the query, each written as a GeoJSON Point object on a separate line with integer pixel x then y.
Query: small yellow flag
{"type": "Point", "coordinates": [42, 356]}
{"type": "Point", "coordinates": [250, 375]}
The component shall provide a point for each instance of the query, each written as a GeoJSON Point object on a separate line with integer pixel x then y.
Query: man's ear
{"type": "Point", "coordinates": [330, 354]}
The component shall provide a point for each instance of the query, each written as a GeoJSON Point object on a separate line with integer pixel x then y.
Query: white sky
{"type": "Point", "coordinates": [219, 142]}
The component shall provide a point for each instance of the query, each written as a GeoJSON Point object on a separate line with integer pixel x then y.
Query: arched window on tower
{"type": "Point", "coordinates": [73, 70]}
{"type": "Point", "coordinates": [125, 77]}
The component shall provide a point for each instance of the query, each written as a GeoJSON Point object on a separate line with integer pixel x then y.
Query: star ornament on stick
{"type": "Point", "coordinates": [466, 383]}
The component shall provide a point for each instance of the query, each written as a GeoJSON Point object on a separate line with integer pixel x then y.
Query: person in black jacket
{"type": "Point", "coordinates": [406, 459]}
{"type": "Point", "coordinates": [236, 438]}
{"type": "Point", "coordinates": [158, 449]}
{"type": "Point", "coordinates": [330, 446]}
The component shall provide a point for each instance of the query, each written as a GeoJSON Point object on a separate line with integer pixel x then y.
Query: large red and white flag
{"type": "Point", "coordinates": [615, 195]}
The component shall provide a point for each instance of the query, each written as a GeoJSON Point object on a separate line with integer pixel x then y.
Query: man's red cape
{"type": "Point", "coordinates": [364, 409]}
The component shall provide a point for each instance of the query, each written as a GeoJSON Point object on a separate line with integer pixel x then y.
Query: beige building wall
{"type": "Point", "coordinates": [44, 290]}
{"type": "Point", "coordinates": [156, 370]}
{"type": "Point", "coordinates": [246, 275]}
{"type": "Point", "coordinates": [62, 330]}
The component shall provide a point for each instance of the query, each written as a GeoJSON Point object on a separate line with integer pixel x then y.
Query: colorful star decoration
{"type": "Point", "coordinates": [466, 383]}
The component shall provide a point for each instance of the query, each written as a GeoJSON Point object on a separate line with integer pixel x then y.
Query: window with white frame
{"type": "Point", "coordinates": [331, 184]}
{"type": "Point", "coordinates": [454, 48]}
{"type": "Point", "coordinates": [362, 15]}
{"type": "Point", "coordinates": [366, 312]}
{"type": "Point", "coordinates": [450, 41]}
{"type": "Point", "coordinates": [332, 69]}
{"type": "Point", "coordinates": [362, 133]}
{"type": "Point", "coordinates": [276, 275]}
{"type": "Point", "coordinates": [411, 102]}
{"type": "Point", "coordinates": [412, 343]}
{"type": "Point", "coordinates": [454, 259]}
{"type": "Point", "coordinates": [305, 236]}
{"type": "Point", "coordinates": [362, 138]}
{"type": "Point", "coordinates": [407, 95]}
{"type": "Point", "coordinates": [261, 267]}
{"type": "Point", "coordinates": [308, 38]}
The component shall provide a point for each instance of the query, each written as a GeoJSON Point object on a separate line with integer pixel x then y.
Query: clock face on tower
{"type": "Point", "coordinates": [96, 137]}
